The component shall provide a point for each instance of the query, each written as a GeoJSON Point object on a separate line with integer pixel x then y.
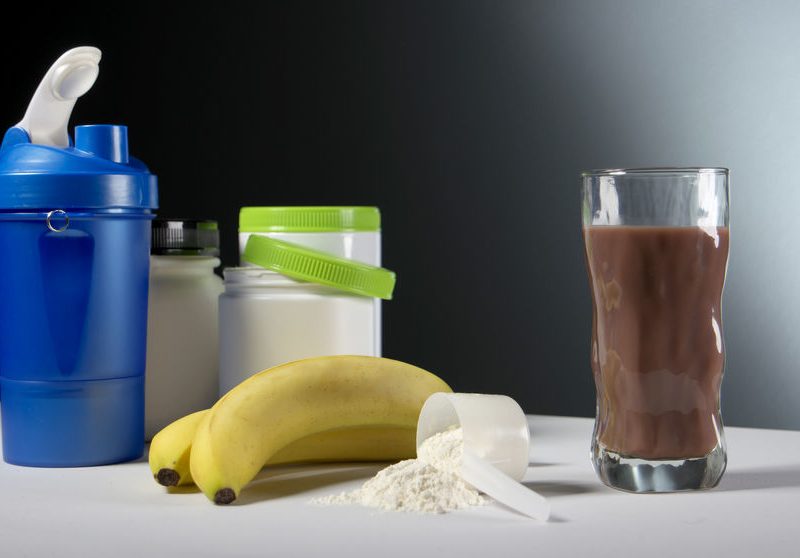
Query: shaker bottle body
{"type": "Point", "coordinates": [75, 233]}
{"type": "Point", "coordinates": [73, 324]}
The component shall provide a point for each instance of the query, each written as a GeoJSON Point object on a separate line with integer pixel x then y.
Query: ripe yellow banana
{"type": "Point", "coordinates": [369, 443]}
{"type": "Point", "coordinates": [269, 411]}
{"type": "Point", "coordinates": [170, 449]}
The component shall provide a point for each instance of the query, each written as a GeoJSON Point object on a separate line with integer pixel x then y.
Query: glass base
{"type": "Point", "coordinates": [633, 474]}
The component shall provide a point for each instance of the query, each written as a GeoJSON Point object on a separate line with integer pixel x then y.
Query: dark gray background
{"type": "Point", "coordinates": [468, 123]}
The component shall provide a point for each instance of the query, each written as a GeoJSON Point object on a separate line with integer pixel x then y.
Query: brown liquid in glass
{"type": "Point", "coordinates": [657, 353]}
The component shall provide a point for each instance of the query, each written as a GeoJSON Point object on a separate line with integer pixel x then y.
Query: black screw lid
{"type": "Point", "coordinates": [184, 237]}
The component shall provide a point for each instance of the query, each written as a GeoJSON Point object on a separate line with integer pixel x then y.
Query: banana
{"type": "Point", "coordinates": [170, 449]}
{"type": "Point", "coordinates": [369, 443]}
{"type": "Point", "coordinates": [269, 411]}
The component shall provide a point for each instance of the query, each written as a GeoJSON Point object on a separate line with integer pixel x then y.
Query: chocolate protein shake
{"type": "Point", "coordinates": [657, 353]}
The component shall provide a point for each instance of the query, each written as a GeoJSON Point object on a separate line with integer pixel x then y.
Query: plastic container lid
{"type": "Point", "coordinates": [305, 264]}
{"type": "Point", "coordinates": [96, 173]}
{"type": "Point", "coordinates": [496, 445]}
{"type": "Point", "coordinates": [310, 219]}
{"type": "Point", "coordinates": [185, 237]}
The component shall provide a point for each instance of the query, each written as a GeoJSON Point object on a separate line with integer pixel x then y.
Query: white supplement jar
{"type": "Point", "coordinates": [351, 232]}
{"type": "Point", "coordinates": [182, 356]}
{"type": "Point", "coordinates": [298, 303]}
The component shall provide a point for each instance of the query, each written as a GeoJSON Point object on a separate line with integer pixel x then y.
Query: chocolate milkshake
{"type": "Point", "coordinates": [657, 352]}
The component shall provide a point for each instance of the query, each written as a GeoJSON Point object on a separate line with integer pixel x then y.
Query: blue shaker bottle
{"type": "Point", "coordinates": [75, 237]}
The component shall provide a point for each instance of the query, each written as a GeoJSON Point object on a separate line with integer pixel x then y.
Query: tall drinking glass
{"type": "Point", "coordinates": [657, 251]}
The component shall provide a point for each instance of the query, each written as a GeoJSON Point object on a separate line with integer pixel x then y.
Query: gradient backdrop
{"type": "Point", "coordinates": [468, 123]}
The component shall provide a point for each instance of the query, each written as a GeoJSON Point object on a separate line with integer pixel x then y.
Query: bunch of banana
{"type": "Point", "coordinates": [170, 450]}
{"type": "Point", "coordinates": [341, 408]}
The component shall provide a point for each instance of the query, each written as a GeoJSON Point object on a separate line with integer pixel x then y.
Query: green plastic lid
{"type": "Point", "coordinates": [305, 264]}
{"type": "Point", "coordinates": [310, 219]}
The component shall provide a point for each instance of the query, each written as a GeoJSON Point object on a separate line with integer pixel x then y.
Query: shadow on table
{"type": "Point", "coordinates": [755, 479]}
{"type": "Point", "coordinates": [186, 489]}
{"type": "Point", "coordinates": [555, 489]}
{"type": "Point", "coordinates": [288, 480]}
{"type": "Point", "coordinates": [141, 459]}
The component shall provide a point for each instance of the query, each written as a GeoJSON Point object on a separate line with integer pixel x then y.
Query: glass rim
{"type": "Point", "coordinates": [656, 171]}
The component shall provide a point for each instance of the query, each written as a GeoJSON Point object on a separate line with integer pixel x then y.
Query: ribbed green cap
{"type": "Point", "coordinates": [310, 219]}
{"type": "Point", "coordinates": [305, 264]}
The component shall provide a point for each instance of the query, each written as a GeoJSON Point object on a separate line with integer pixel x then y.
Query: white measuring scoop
{"type": "Point", "coordinates": [496, 445]}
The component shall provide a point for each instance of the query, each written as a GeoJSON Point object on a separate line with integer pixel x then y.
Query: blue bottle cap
{"type": "Point", "coordinates": [95, 173]}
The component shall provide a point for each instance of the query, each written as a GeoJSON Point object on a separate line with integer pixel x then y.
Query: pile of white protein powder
{"type": "Point", "coordinates": [428, 484]}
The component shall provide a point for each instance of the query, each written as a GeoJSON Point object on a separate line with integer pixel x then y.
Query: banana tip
{"type": "Point", "coordinates": [224, 496]}
{"type": "Point", "coordinates": [168, 477]}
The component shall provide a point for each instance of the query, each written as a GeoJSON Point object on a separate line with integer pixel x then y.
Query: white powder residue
{"type": "Point", "coordinates": [428, 484]}
{"type": "Point", "coordinates": [443, 450]}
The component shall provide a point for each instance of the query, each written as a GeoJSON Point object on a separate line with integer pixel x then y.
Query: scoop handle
{"type": "Point", "coordinates": [503, 488]}
{"type": "Point", "coordinates": [72, 75]}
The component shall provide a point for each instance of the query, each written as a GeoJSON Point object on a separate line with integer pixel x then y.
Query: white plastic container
{"type": "Point", "coordinates": [351, 232]}
{"type": "Point", "coordinates": [182, 342]}
{"type": "Point", "coordinates": [268, 318]}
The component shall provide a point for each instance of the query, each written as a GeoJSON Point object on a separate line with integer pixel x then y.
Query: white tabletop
{"type": "Point", "coordinates": [119, 511]}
